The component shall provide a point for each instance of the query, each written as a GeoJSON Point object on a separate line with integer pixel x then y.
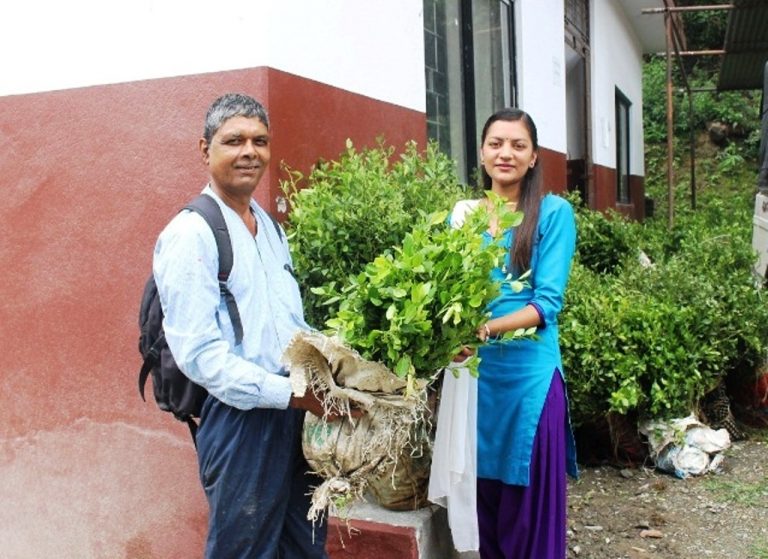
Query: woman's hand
{"type": "Point", "coordinates": [464, 354]}
{"type": "Point", "coordinates": [483, 332]}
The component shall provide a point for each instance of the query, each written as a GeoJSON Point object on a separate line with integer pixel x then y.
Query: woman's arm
{"type": "Point", "coordinates": [526, 317]}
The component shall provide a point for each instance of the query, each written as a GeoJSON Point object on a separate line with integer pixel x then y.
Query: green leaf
{"type": "Point", "coordinates": [399, 293]}
{"type": "Point", "coordinates": [403, 366]}
{"type": "Point", "coordinates": [438, 217]}
{"type": "Point", "coordinates": [391, 312]}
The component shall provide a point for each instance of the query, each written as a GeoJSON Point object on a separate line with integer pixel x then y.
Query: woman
{"type": "Point", "coordinates": [525, 444]}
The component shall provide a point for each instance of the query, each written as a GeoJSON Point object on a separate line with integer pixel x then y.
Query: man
{"type": "Point", "coordinates": [249, 441]}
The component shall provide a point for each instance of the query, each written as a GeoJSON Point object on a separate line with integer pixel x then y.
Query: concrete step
{"type": "Point", "coordinates": [372, 532]}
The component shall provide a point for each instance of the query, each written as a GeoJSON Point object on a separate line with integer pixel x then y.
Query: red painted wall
{"type": "Point", "coordinates": [605, 193]}
{"type": "Point", "coordinates": [90, 176]}
{"type": "Point", "coordinates": [555, 176]}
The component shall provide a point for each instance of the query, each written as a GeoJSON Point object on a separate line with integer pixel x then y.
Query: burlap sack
{"type": "Point", "coordinates": [351, 454]}
{"type": "Point", "coordinates": [404, 486]}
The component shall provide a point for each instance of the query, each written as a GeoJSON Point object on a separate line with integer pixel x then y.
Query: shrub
{"type": "Point", "coordinates": [349, 211]}
{"type": "Point", "coordinates": [652, 341]}
{"type": "Point", "coordinates": [604, 239]}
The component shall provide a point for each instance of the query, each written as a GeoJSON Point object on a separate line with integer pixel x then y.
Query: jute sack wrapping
{"type": "Point", "coordinates": [405, 486]}
{"type": "Point", "coordinates": [354, 455]}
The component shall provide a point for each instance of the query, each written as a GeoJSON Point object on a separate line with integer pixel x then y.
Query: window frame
{"type": "Point", "coordinates": [469, 89]}
{"type": "Point", "coordinates": [623, 144]}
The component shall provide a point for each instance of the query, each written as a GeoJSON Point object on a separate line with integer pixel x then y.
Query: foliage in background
{"type": "Point", "coordinates": [654, 101]}
{"type": "Point", "coordinates": [602, 246]}
{"type": "Point", "coordinates": [704, 30]}
{"type": "Point", "coordinates": [349, 211]}
{"type": "Point", "coordinates": [654, 339]}
{"type": "Point", "coordinates": [737, 109]}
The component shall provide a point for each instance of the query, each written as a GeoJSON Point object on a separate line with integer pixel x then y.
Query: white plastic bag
{"type": "Point", "coordinates": [684, 446]}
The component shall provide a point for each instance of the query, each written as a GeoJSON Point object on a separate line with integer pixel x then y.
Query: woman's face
{"type": "Point", "coordinates": [507, 153]}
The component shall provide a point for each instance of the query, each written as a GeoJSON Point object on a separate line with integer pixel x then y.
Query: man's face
{"type": "Point", "coordinates": [237, 155]}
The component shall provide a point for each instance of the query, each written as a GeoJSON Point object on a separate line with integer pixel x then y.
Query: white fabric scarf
{"type": "Point", "coordinates": [452, 481]}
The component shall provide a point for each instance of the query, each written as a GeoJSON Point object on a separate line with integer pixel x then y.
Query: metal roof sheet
{"type": "Point", "coordinates": [746, 46]}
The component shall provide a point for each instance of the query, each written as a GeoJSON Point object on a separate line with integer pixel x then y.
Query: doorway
{"type": "Point", "coordinates": [578, 121]}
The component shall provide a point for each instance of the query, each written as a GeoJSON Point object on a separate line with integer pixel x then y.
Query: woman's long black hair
{"type": "Point", "coordinates": [530, 191]}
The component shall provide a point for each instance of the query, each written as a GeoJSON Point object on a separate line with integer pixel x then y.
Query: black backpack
{"type": "Point", "coordinates": [173, 391]}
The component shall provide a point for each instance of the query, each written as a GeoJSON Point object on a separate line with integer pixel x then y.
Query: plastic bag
{"type": "Point", "coordinates": [685, 447]}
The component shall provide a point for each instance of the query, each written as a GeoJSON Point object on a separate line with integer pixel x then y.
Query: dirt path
{"type": "Point", "coordinates": [642, 513]}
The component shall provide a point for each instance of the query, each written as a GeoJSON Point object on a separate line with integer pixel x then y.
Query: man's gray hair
{"type": "Point", "coordinates": [231, 105]}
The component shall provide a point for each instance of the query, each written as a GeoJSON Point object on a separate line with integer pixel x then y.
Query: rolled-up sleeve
{"type": "Point", "coordinates": [554, 253]}
{"type": "Point", "coordinates": [185, 267]}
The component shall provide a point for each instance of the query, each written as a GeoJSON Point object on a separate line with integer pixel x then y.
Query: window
{"type": "Point", "coordinates": [577, 16]}
{"type": "Point", "coordinates": [622, 148]}
{"type": "Point", "coordinates": [470, 72]}
{"type": "Point", "coordinates": [445, 77]}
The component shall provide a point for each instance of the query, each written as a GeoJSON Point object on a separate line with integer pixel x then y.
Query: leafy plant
{"type": "Point", "coordinates": [351, 210]}
{"type": "Point", "coordinates": [729, 159]}
{"type": "Point", "coordinates": [604, 238]}
{"type": "Point", "coordinates": [414, 307]}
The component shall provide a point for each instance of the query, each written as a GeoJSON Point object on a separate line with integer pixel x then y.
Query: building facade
{"type": "Point", "coordinates": [574, 65]}
{"type": "Point", "coordinates": [101, 106]}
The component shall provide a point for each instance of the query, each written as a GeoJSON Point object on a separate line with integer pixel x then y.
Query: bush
{"type": "Point", "coordinates": [652, 341]}
{"type": "Point", "coordinates": [603, 238]}
{"type": "Point", "coordinates": [349, 211]}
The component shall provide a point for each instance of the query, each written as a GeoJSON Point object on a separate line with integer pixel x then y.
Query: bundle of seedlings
{"type": "Point", "coordinates": [414, 307]}
{"type": "Point", "coordinates": [399, 323]}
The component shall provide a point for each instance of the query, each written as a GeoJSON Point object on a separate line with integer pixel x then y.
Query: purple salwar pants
{"type": "Point", "coordinates": [518, 522]}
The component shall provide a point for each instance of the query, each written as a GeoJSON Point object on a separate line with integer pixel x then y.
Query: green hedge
{"type": "Point", "coordinates": [655, 339]}
{"type": "Point", "coordinates": [347, 212]}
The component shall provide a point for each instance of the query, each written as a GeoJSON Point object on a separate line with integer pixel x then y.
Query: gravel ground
{"type": "Point", "coordinates": [638, 513]}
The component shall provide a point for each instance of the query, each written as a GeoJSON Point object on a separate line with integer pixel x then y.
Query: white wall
{"type": "Point", "coordinates": [541, 68]}
{"type": "Point", "coordinates": [616, 63]}
{"type": "Point", "coordinates": [365, 46]}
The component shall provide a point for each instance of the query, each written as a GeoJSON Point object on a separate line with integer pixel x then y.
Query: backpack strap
{"type": "Point", "coordinates": [209, 209]}
{"type": "Point", "coordinates": [276, 224]}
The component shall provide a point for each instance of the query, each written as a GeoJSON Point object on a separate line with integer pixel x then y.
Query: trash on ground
{"type": "Point", "coordinates": [685, 446]}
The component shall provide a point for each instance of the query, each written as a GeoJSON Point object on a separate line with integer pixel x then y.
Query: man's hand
{"type": "Point", "coordinates": [313, 404]}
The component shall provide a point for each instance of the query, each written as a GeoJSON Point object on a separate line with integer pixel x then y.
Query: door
{"type": "Point", "coordinates": [578, 127]}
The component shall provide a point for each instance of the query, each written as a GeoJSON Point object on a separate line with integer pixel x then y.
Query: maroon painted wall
{"type": "Point", "coordinates": [605, 193]}
{"type": "Point", "coordinates": [90, 176]}
{"type": "Point", "coordinates": [555, 175]}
